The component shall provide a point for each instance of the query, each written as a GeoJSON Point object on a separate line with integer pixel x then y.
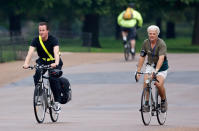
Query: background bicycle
{"type": "Point", "coordinates": [127, 50]}
{"type": "Point", "coordinates": [149, 105]}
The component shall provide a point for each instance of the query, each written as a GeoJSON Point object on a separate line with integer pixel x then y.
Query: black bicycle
{"type": "Point", "coordinates": [127, 51]}
{"type": "Point", "coordinates": [43, 99]}
{"type": "Point", "coordinates": [149, 105]}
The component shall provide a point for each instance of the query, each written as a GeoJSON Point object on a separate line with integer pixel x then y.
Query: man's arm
{"type": "Point", "coordinates": [140, 63]}
{"type": "Point", "coordinates": [138, 17]}
{"type": "Point", "coordinates": [119, 18]}
{"type": "Point", "coordinates": [28, 57]}
{"type": "Point", "coordinates": [159, 64]}
{"type": "Point", "coordinates": [56, 55]}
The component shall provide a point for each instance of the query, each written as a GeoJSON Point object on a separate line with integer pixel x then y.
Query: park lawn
{"type": "Point", "coordinates": [178, 45]}
{"type": "Point", "coordinates": [108, 45]}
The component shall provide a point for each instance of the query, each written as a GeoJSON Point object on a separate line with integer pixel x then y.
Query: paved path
{"type": "Point", "coordinates": [106, 98]}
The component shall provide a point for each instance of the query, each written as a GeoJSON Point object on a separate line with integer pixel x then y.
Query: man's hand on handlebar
{"type": "Point", "coordinates": [154, 75]}
{"type": "Point", "coordinates": [137, 76]}
{"type": "Point", "coordinates": [26, 66]}
{"type": "Point", "coordinates": [53, 65]}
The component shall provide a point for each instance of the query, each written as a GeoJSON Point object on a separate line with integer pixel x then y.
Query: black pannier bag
{"type": "Point", "coordinates": [66, 92]}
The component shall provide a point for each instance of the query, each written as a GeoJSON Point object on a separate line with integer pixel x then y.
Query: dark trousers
{"type": "Point", "coordinates": [54, 82]}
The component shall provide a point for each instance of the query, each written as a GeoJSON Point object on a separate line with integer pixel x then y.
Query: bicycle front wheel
{"type": "Point", "coordinates": [146, 106]}
{"type": "Point", "coordinates": [39, 104]}
{"type": "Point", "coordinates": [161, 117]}
{"type": "Point", "coordinates": [53, 114]}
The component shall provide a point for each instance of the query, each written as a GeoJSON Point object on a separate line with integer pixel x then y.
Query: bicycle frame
{"type": "Point", "coordinates": [46, 88]}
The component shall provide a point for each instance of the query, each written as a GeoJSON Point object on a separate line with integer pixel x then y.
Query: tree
{"type": "Point", "coordinates": [16, 10]}
{"type": "Point", "coordinates": [92, 10]}
{"type": "Point", "coordinates": [195, 38]}
{"type": "Point", "coordinates": [194, 4]}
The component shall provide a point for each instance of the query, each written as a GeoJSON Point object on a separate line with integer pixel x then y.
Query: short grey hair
{"type": "Point", "coordinates": [154, 27]}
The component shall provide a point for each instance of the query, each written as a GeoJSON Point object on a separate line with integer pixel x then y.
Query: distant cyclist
{"type": "Point", "coordinates": [47, 47]}
{"type": "Point", "coordinates": [156, 49]}
{"type": "Point", "coordinates": [129, 20]}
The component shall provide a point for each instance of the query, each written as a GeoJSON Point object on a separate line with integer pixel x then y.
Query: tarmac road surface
{"type": "Point", "coordinates": [105, 97]}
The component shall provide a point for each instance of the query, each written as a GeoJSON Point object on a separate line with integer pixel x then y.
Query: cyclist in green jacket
{"type": "Point", "coordinates": [129, 20]}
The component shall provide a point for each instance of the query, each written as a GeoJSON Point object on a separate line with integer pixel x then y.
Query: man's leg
{"type": "Point", "coordinates": [162, 93]}
{"type": "Point", "coordinates": [132, 36]}
{"type": "Point", "coordinates": [56, 88]}
{"type": "Point", "coordinates": [124, 37]}
{"type": "Point", "coordinates": [160, 86]}
{"type": "Point", "coordinates": [36, 76]}
{"type": "Point", "coordinates": [133, 46]}
{"type": "Point", "coordinates": [146, 107]}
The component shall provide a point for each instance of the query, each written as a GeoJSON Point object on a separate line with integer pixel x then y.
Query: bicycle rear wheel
{"type": "Point", "coordinates": [127, 52]}
{"type": "Point", "coordinates": [161, 117]}
{"type": "Point", "coordinates": [146, 114]}
{"type": "Point", "coordinates": [39, 104]}
{"type": "Point", "coordinates": [53, 114]}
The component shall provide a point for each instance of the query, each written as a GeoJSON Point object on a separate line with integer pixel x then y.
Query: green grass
{"type": "Point", "coordinates": [181, 45]}
{"type": "Point", "coordinates": [108, 45]}
{"type": "Point", "coordinates": [72, 45]}
{"type": "Point", "coordinates": [178, 45]}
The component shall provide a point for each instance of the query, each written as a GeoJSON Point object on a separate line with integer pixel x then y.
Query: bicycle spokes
{"type": "Point", "coordinates": [53, 114]}
{"type": "Point", "coordinates": [39, 105]}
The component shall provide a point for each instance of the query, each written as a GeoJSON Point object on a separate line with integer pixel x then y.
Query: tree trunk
{"type": "Point", "coordinates": [14, 25]}
{"type": "Point", "coordinates": [159, 24]}
{"type": "Point", "coordinates": [117, 31]}
{"type": "Point", "coordinates": [117, 28]}
{"type": "Point", "coordinates": [91, 25]}
{"type": "Point", "coordinates": [195, 36]}
{"type": "Point", "coordinates": [170, 30]}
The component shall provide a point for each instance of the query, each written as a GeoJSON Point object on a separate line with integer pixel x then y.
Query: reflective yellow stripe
{"type": "Point", "coordinates": [43, 46]}
{"type": "Point", "coordinates": [46, 59]}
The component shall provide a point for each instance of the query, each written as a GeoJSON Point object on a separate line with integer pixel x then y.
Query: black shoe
{"type": "Point", "coordinates": [164, 106]}
{"type": "Point", "coordinates": [124, 42]}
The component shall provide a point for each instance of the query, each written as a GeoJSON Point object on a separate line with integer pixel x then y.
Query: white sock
{"type": "Point", "coordinates": [132, 50]}
{"type": "Point", "coordinates": [124, 38]}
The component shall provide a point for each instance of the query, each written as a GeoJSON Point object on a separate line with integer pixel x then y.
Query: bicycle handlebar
{"type": "Point", "coordinates": [154, 78]}
{"type": "Point", "coordinates": [40, 67]}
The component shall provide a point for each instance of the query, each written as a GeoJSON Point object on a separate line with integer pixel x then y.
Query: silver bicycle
{"type": "Point", "coordinates": [149, 105]}
{"type": "Point", "coordinates": [43, 99]}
